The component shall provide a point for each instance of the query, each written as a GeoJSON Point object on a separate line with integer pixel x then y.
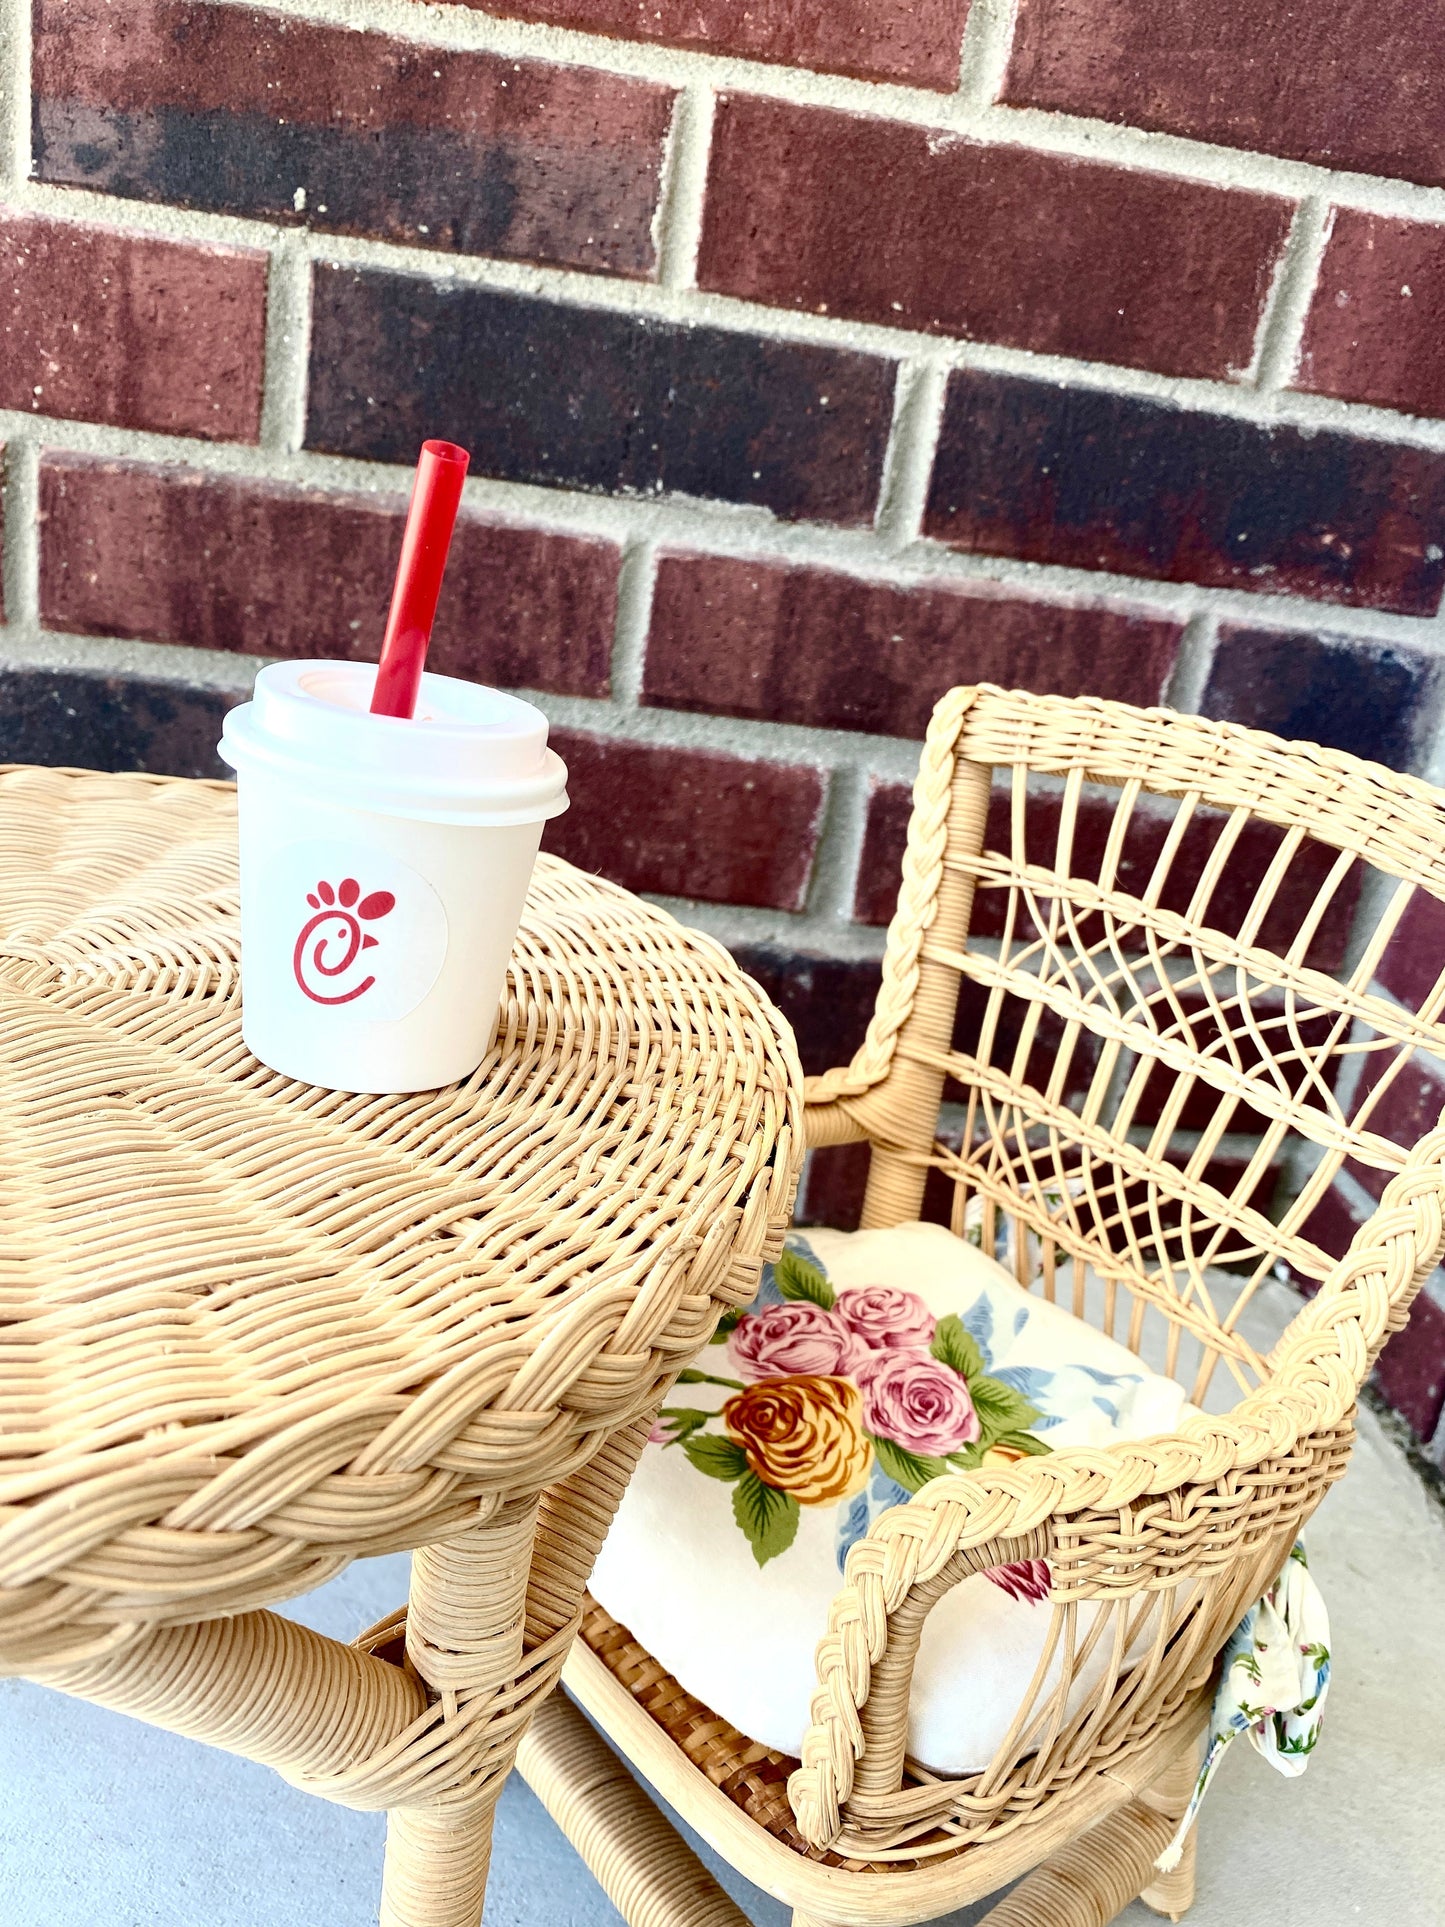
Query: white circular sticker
{"type": "Point", "coordinates": [350, 930]}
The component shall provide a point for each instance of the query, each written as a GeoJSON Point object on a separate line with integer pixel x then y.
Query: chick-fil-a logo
{"type": "Point", "coordinates": [332, 940]}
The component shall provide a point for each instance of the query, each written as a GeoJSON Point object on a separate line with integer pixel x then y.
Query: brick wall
{"type": "Point", "coordinates": [813, 354]}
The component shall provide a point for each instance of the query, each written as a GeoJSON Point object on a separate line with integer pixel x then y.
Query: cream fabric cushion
{"type": "Point", "coordinates": [868, 1363]}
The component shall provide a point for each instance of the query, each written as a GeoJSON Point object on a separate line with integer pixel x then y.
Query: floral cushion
{"type": "Point", "coordinates": [868, 1363]}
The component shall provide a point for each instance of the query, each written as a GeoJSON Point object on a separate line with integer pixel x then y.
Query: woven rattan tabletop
{"type": "Point", "coordinates": [254, 1329]}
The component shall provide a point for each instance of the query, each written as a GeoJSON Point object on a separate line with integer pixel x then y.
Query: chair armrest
{"type": "Point", "coordinates": [1142, 1517]}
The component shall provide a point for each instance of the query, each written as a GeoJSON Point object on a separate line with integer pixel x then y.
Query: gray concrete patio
{"type": "Point", "coordinates": [107, 1823]}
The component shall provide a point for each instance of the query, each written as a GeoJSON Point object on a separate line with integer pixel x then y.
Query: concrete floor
{"type": "Point", "coordinates": [107, 1823]}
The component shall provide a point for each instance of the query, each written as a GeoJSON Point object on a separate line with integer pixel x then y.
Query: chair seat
{"type": "Point", "coordinates": [867, 1364]}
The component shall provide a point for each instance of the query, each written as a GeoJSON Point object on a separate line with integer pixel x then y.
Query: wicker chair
{"type": "Point", "coordinates": [1151, 1096]}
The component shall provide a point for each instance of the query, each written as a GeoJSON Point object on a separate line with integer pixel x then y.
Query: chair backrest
{"type": "Point", "coordinates": [1133, 1008]}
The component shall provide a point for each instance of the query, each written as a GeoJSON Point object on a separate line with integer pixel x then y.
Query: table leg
{"type": "Point", "coordinates": [464, 1637]}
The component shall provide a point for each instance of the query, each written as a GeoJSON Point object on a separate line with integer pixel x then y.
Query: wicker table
{"type": "Point", "coordinates": [256, 1330]}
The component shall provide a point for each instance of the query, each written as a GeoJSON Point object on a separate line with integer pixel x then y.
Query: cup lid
{"type": "Point", "coordinates": [468, 751]}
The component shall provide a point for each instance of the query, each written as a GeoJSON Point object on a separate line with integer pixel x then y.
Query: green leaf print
{"type": "Point", "coordinates": [954, 1346]}
{"type": "Point", "coordinates": [1026, 1442]}
{"type": "Point", "coordinates": [909, 1469]}
{"type": "Point", "coordinates": [796, 1278]}
{"type": "Point", "coordinates": [683, 1421]}
{"type": "Point", "coordinates": [692, 1376]}
{"type": "Point", "coordinates": [719, 1458]}
{"type": "Point", "coordinates": [1001, 1409]}
{"type": "Point", "coordinates": [726, 1324]}
{"type": "Point", "coordinates": [769, 1518]}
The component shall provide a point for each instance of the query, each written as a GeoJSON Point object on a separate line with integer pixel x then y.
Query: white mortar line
{"type": "Point", "coordinates": [1190, 674]}
{"type": "Point", "coordinates": [789, 930]}
{"type": "Point", "coordinates": [677, 226]}
{"type": "Point", "coordinates": [463, 28]}
{"type": "Point", "coordinates": [636, 583]}
{"type": "Point", "coordinates": [908, 464]}
{"type": "Point", "coordinates": [987, 40]}
{"type": "Point", "coordinates": [14, 93]}
{"type": "Point", "coordinates": [1282, 325]}
{"type": "Point", "coordinates": [288, 340]}
{"type": "Point", "coordinates": [20, 552]}
{"type": "Point", "coordinates": [840, 845]}
{"type": "Point", "coordinates": [749, 534]}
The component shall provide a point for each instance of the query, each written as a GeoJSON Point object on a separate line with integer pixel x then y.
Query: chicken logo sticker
{"type": "Point", "coordinates": [329, 955]}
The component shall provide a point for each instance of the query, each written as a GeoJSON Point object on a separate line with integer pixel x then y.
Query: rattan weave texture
{"type": "Point", "coordinates": [253, 1330]}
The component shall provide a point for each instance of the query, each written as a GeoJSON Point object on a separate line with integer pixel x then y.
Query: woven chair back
{"type": "Point", "coordinates": [1148, 1025]}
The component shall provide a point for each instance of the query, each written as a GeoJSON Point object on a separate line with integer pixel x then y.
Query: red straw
{"type": "Point", "coordinates": [435, 494]}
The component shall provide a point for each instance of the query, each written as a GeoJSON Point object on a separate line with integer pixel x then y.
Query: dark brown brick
{"type": "Point", "coordinates": [243, 112]}
{"type": "Point", "coordinates": [1094, 480]}
{"type": "Point", "coordinates": [912, 40]}
{"type": "Point", "coordinates": [583, 398]}
{"type": "Point", "coordinates": [1411, 1371]}
{"type": "Point", "coordinates": [1405, 1111]}
{"type": "Point", "coordinates": [1359, 84]}
{"type": "Point", "coordinates": [790, 643]}
{"type": "Point", "coordinates": [1143, 842]}
{"type": "Point", "coordinates": [1338, 690]}
{"type": "Point", "coordinates": [1415, 955]}
{"type": "Point", "coordinates": [886, 222]}
{"type": "Point", "coordinates": [1376, 329]}
{"type": "Point", "coordinates": [104, 325]}
{"type": "Point", "coordinates": [175, 555]}
{"type": "Point", "coordinates": [688, 823]}
{"type": "Point", "coordinates": [827, 1000]}
{"type": "Point", "coordinates": [94, 721]}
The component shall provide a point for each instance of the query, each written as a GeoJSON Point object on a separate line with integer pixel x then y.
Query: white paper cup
{"type": "Point", "coordinates": [384, 864]}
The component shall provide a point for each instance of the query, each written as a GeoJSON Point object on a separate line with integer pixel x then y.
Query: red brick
{"type": "Point", "coordinates": [895, 224]}
{"type": "Point", "coordinates": [1408, 1108]}
{"type": "Point", "coordinates": [175, 555]}
{"type": "Point", "coordinates": [1359, 84]}
{"type": "Point", "coordinates": [887, 825]}
{"type": "Point", "coordinates": [1415, 955]}
{"type": "Point", "coordinates": [789, 643]}
{"type": "Point", "coordinates": [833, 1185]}
{"type": "Point", "coordinates": [234, 110]}
{"type": "Point", "coordinates": [1411, 1371]}
{"type": "Point", "coordinates": [689, 823]}
{"type": "Point", "coordinates": [1376, 329]}
{"type": "Point", "coordinates": [1094, 480]}
{"type": "Point", "coordinates": [911, 40]}
{"type": "Point", "coordinates": [103, 325]}
{"type": "Point", "coordinates": [1332, 1226]}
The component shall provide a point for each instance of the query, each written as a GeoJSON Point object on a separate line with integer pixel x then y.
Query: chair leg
{"type": "Point", "coordinates": [464, 1638]}
{"type": "Point", "coordinates": [436, 1864]}
{"type": "Point", "coordinates": [1172, 1893]}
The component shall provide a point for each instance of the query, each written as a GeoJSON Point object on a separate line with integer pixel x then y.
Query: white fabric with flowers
{"type": "Point", "coordinates": [869, 1363]}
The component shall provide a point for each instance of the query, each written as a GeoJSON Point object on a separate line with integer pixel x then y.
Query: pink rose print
{"type": "Point", "coordinates": [1027, 1580]}
{"type": "Point", "coordinates": [887, 1319]}
{"type": "Point", "coordinates": [917, 1402]}
{"type": "Point", "coordinates": [782, 1341]}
